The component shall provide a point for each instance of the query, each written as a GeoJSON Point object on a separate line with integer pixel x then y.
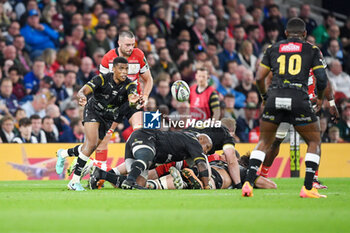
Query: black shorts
{"type": "Point", "coordinates": [92, 115]}
{"type": "Point", "coordinates": [288, 105]}
{"type": "Point", "coordinates": [125, 111]}
{"type": "Point", "coordinates": [140, 139]}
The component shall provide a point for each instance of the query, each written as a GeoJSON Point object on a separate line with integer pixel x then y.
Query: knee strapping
{"type": "Point", "coordinates": [144, 154]}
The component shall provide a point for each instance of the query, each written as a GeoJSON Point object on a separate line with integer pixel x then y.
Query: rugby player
{"type": "Point", "coordinates": [109, 93]}
{"type": "Point", "coordinates": [284, 127]}
{"type": "Point", "coordinates": [287, 100]}
{"type": "Point", "coordinates": [147, 147]}
{"type": "Point", "coordinates": [138, 68]}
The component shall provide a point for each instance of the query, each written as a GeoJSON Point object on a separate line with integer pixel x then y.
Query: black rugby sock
{"type": "Point", "coordinates": [73, 151]}
{"type": "Point", "coordinates": [136, 168]}
{"type": "Point", "coordinates": [311, 168]}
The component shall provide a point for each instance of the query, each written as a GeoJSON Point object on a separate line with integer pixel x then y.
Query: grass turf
{"type": "Point", "coordinates": [46, 206]}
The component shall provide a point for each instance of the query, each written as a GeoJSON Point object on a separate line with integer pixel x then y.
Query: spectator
{"type": "Point", "coordinates": [18, 88]}
{"type": "Point", "coordinates": [73, 134]}
{"type": "Point", "coordinates": [22, 54]}
{"type": "Point", "coordinates": [71, 111]}
{"type": "Point", "coordinates": [76, 39]}
{"type": "Point", "coordinates": [247, 123]}
{"type": "Point", "coordinates": [32, 79]}
{"type": "Point", "coordinates": [305, 15]}
{"type": "Point", "coordinates": [333, 52]}
{"type": "Point", "coordinates": [37, 132]}
{"type": "Point", "coordinates": [339, 80]}
{"type": "Point", "coordinates": [7, 126]}
{"type": "Point", "coordinates": [253, 34]}
{"type": "Point", "coordinates": [13, 30]}
{"type": "Point", "coordinates": [186, 71]}
{"type": "Point", "coordinates": [87, 24]}
{"type": "Point", "coordinates": [25, 129]}
{"type": "Point", "coordinates": [272, 35]}
{"type": "Point", "coordinates": [185, 20]}
{"type": "Point", "coordinates": [334, 137]}
{"type": "Point", "coordinates": [49, 56]}
{"type": "Point", "coordinates": [229, 111]}
{"type": "Point", "coordinates": [221, 15]}
{"type": "Point", "coordinates": [60, 122]}
{"type": "Point", "coordinates": [37, 106]}
{"type": "Point", "coordinates": [97, 56]}
{"type": "Point", "coordinates": [70, 79]}
{"type": "Point", "coordinates": [59, 88]}
{"type": "Point", "coordinates": [239, 35]}
{"type": "Point", "coordinates": [85, 72]}
{"type": "Point", "coordinates": [98, 41]}
{"type": "Point", "coordinates": [274, 19]}
{"type": "Point", "coordinates": [225, 87]}
{"type": "Point", "coordinates": [38, 36]}
{"type": "Point", "coordinates": [334, 33]}
{"type": "Point", "coordinates": [164, 64]}
{"type": "Point", "coordinates": [103, 19]}
{"type": "Point", "coordinates": [257, 17]}
{"type": "Point", "coordinates": [112, 33]}
{"type": "Point", "coordinates": [246, 56]}
{"type": "Point", "coordinates": [212, 23]}
{"type": "Point", "coordinates": [48, 129]}
{"type": "Point", "coordinates": [212, 54]}
{"type": "Point", "coordinates": [320, 32]}
{"type": "Point", "coordinates": [162, 22]}
{"type": "Point", "coordinates": [19, 114]}
{"type": "Point", "coordinates": [4, 20]}
{"type": "Point", "coordinates": [344, 123]}
{"type": "Point", "coordinates": [96, 9]}
{"type": "Point", "coordinates": [8, 100]}
{"type": "Point", "coordinates": [10, 53]}
{"type": "Point", "coordinates": [247, 83]}
{"type": "Point", "coordinates": [232, 67]}
{"type": "Point", "coordinates": [234, 20]}
{"type": "Point", "coordinates": [228, 54]}
{"type": "Point", "coordinates": [123, 19]}
{"type": "Point", "coordinates": [163, 95]}
{"type": "Point", "coordinates": [198, 34]}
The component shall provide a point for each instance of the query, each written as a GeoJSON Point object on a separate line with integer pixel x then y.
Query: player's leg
{"type": "Point", "coordinates": [138, 158]}
{"type": "Point", "coordinates": [267, 136]}
{"type": "Point", "coordinates": [264, 183]}
{"type": "Point", "coordinates": [99, 175]}
{"type": "Point", "coordinates": [273, 151]}
{"type": "Point", "coordinates": [311, 134]}
{"type": "Point", "coordinates": [91, 142]}
{"type": "Point", "coordinates": [136, 119]}
{"type": "Point", "coordinates": [171, 181]}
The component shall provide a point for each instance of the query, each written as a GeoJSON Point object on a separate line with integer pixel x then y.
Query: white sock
{"type": "Point", "coordinates": [116, 171]}
{"type": "Point", "coordinates": [75, 178]}
{"type": "Point", "coordinates": [64, 154]}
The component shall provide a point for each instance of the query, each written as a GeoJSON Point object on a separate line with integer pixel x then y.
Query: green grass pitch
{"type": "Point", "coordinates": [46, 206]}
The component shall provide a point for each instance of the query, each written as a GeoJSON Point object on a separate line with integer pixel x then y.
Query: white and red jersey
{"type": "Point", "coordinates": [137, 63]}
{"type": "Point", "coordinates": [311, 85]}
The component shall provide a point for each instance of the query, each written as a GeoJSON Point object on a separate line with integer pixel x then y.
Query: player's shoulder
{"type": "Point", "coordinates": [111, 54]}
{"type": "Point", "coordinates": [138, 53]}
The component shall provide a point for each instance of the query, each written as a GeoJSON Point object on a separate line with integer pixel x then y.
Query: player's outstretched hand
{"type": "Point", "coordinates": [334, 114]}
{"type": "Point", "coordinates": [143, 100]}
{"type": "Point", "coordinates": [134, 99]}
{"type": "Point", "coordinates": [81, 99]}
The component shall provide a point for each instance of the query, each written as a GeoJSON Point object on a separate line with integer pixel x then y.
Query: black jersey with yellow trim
{"type": "Point", "coordinates": [177, 146]}
{"type": "Point", "coordinates": [220, 136]}
{"type": "Point", "coordinates": [290, 62]}
{"type": "Point", "coordinates": [107, 94]}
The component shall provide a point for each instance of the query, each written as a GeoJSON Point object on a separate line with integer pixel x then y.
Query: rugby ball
{"type": "Point", "coordinates": [180, 91]}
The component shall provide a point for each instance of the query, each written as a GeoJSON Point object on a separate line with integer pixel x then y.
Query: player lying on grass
{"type": "Point", "coordinates": [187, 178]}
{"type": "Point", "coordinates": [109, 93]}
{"type": "Point", "coordinates": [147, 147]}
{"type": "Point", "coordinates": [222, 139]}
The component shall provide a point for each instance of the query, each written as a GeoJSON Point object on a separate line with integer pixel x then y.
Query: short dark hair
{"type": "Point", "coordinates": [251, 28]}
{"type": "Point", "coordinates": [24, 122]}
{"type": "Point", "coordinates": [35, 117]}
{"type": "Point", "coordinates": [295, 25]}
{"type": "Point", "coordinates": [14, 68]}
{"type": "Point", "coordinates": [273, 6]}
{"type": "Point", "coordinates": [98, 27]}
{"type": "Point", "coordinates": [127, 34]}
{"type": "Point", "coordinates": [59, 72]}
{"type": "Point", "coordinates": [44, 118]}
{"type": "Point", "coordinates": [118, 60]}
{"type": "Point", "coordinates": [229, 95]}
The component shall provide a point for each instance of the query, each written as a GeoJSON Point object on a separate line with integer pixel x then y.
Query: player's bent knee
{"type": "Point", "coordinates": [144, 153]}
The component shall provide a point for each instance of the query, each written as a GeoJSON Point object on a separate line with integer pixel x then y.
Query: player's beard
{"type": "Point", "coordinates": [126, 53]}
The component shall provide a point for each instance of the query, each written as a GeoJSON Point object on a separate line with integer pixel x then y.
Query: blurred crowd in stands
{"type": "Point", "coordinates": [49, 49]}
